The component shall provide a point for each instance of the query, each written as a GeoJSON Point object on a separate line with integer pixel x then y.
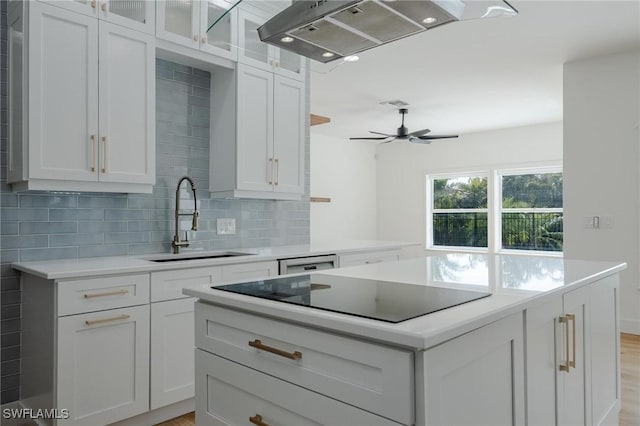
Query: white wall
{"type": "Point", "coordinates": [345, 171]}
{"type": "Point", "coordinates": [402, 168]}
{"type": "Point", "coordinates": [601, 116]}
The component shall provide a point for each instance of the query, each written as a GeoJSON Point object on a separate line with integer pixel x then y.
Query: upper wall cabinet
{"type": "Point", "coordinates": [261, 55]}
{"type": "Point", "coordinates": [136, 14]}
{"type": "Point", "coordinates": [186, 22]}
{"type": "Point", "coordinates": [81, 103]}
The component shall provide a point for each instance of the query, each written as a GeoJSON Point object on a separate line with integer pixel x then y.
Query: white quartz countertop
{"type": "Point", "coordinates": [515, 282]}
{"type": "Point", "coordinates": [93, 266]}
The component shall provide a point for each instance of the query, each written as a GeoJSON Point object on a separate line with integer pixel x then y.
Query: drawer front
{"type": "Point", "coordinates": [97, 294]}
{"type": "Point", "coordinates": [168, 285]}
{"type": "Point", "coordinates": [230, 394]}
{"type": "Point", "coordinates": [368, 258]}
{"type": "Point", "coordinates": [376, 378]}
{"type": "Point", "coordinates": [249, 271]}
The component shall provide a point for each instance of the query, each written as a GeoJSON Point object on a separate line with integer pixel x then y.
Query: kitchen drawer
{"type": "Point", "coordinates": [249, 271]}
{"type": "Point", "coordinates": [168, 285]}
{"type": "Point", "coordinates": [368, 258]}
{"type": "Point", "coordinates": [374, 377]}
{"type": "Point", "coordinates": [97, 294]}
{"type": "Point", "coordinates": [230, 394]}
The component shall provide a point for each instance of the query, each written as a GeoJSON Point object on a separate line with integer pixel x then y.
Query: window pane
{"type": "Point", "coordinates": [532, 231]}
{"type": "Point", "coordinates": [460, 193]}
{"type": "Point", "coordinates": [534, 190]}
{"type": "Point", "coordinates": [460, 229]}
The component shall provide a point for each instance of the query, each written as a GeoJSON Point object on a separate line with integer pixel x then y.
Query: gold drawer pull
{"type": "Point", "coordinates": [109, 293]}
{"type": "Point", "coordinates": [257, 420]}
{"type": "Point", "coordinates": [567, 365]}
{"type": "Point", "coordinates": [258, 345]}
{"type": "Point", "coordinates": [572, 318]}
{"type": "Point", "coordinates": [99, 321]}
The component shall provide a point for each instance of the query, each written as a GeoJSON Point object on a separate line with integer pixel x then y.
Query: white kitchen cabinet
{"type": "Point", "coordinates": [262, 156]}
{"type": "Point", "coordinates": [135, 14]}
{"type": "Point", "coordinates": [104, 74]}
{"type": "Point", "coordinates": [229, 394]}
{"type": "Point", "coordinates": [261, 55]}
{"type": "Point", "coordinates": [186, 24]}
{"type": "Point", "coordinates": [355, 259]}
{"type": "Point", "coordinates": [482, 371]}
{"type": "Point", "coordinates": [103, 365]}
{"type": "Point", "coordinates": [572, 348]}
{"type": "Point", "coordinates": [248, 271]}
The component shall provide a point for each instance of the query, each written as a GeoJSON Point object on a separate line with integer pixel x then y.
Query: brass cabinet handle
{"type": "Point", "coordinates": [93, 153]}
{"type": "Point", "coordinates": [104, 151]}
{"type": "Point", "coordinates": [291, 355]}
{"type": "Point", "coordinates": [104, 6]}
{"type": "Point", "coordinates": [257, 420]}
{"type": "Point", "coordinates": [565, 320]}
{"type": "Point", "coordinates": [109, 293]}
{"type": "Point", "coordinates": [572, 318]}
{"type": "Point", "coordinates": [270, 172]}
{"type": "Point", "coordinates": [93, 4]}
{"type": "Point", "coordinates": [277, 171]}
{"type": "Point", "coordinates": [99, 321]}
{"type": "Point", "coordinates": [204, 39]}
{"type": "Point", "coordinates": [195, 37]}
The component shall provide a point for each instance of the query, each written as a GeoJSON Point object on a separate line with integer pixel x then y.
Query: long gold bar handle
{"type": "Point", "coordinates": [100, 321]}
{"type": "Point", "coordinates": [291, 355]}
{"type": "Point", "coordinates": [104, 151]}
{"type": "Point", "coordinates": [110, 293]}
{"type": "Point", "coordinates": [277, 171]}
{"type": "Point", "coordinates": [572, 318]}
{"type": "Point", "coordinates": [270, 172]}
{"type": "Point", "coordinates": [565, 321]}
{"type": "Point", "coordinates": [257, 420]}
{"type": "Point", "coordinates": [93, 153]}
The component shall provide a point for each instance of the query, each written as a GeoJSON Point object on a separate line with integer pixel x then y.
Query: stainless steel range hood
{"type": "Point", "coordinates": [326, 30]}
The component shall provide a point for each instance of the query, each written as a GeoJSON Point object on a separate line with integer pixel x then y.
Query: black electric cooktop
{"type": "Point", "coordinates": [375, 299]}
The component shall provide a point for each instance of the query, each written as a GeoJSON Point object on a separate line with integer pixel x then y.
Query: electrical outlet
{"type": "Point", "coordinates": [226, 226]}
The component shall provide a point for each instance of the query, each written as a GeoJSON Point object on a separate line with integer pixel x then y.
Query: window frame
{"type": "Point", "coordinates": [494, 208]}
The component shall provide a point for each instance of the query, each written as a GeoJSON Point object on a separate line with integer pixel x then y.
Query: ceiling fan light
{"type": "Point", "coordinates": [286, 39]}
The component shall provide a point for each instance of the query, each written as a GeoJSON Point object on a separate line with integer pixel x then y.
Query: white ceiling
{"type": "Point", "coordinates": [475, 75]}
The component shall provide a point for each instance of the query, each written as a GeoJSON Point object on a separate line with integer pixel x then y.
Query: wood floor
{"type": "Point", "coordinates": [630, 363]}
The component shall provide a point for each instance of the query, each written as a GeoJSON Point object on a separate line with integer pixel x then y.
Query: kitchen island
{"type": "Point", "coordinates": [541, 349]}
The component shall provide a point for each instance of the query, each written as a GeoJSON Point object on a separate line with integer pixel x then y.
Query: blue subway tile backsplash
{"type": "Point", "coordinates": [47, 225]}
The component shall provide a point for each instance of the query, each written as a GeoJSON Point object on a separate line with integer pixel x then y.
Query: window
{"type": "Point", "coordinates": [460, 211]}
{"type": "Point", "coordinates": [496, 210]}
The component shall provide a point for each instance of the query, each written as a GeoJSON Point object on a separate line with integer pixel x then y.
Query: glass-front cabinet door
{"type": "Point", "coordinates": [290, 64]}
{"type": "Point", "coordinates": [135, 14]}
{"type": "Point", "coordinates": [179, 21]}
{"type": "Point", "coordinates": [221, 39]}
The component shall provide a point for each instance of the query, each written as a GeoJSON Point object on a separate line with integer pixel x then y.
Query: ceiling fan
{"type": "Point", "coordinates": [419, 136]}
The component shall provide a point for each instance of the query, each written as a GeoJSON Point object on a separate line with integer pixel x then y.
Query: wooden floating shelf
{"type": "Point", "coordinates": [319, 119]}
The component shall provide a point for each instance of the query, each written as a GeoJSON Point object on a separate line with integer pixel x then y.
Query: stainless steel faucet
{"type": "Point", "coordinates": [177, 243]}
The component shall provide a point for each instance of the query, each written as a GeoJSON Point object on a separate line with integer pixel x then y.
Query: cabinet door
{"type": "Point", "coordinates": [172, 346]}
{"type": "Point", "coordinates": [135, 14]}
{"type": "Point", "coordinates": [252, 51]}
{"type": "Point", "coordinates": [604, 348]}
{"type": "Point", "coordinates": [86, 7]}
{"type": "Point", "coordinates": [290, 64]}
{"type": "Point", "coordinates": [573, 404]}
{"type": "Point", "coordinates": [63, 94]}
{"type": "Point", "coordinates": [179, 22]}
{"type": "Point", "coordinates": [222, 39]}
{"type": "Point", "coordinates": [542, 348]}
{"type": "Point", "coordinates": [103, 365]}
{"type": "Point", "coordinates": [255, 129]}
{"type": "Point", "coordinates": [289, 133]}
{"type": "Point", "coordinates": [127, 108]}
{"type": "Point", "coordinates": [481, 371]}
{"type": "Point", "coordinates": [248, 271]}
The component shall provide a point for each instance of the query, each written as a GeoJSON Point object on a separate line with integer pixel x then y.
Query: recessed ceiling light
{"type": "Point", "coordinates": [286, 39]}
{"type": "Point", "coordinates": [430, 20]}
{"type": "Point", "coordinates": [328, 54]}
{"type": "Point", "coordinates": [351, 58]}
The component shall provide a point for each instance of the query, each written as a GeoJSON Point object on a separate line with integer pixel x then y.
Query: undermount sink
{"type": "Point", "coordinates": [195, 256]}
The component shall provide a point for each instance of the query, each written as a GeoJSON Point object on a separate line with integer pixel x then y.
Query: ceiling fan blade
{"type": "Point", "coordinates": [419, 132]}
{"type": "Point", "coordinates": [369, 139]}
{"type": "Point", "coordinates": [378, 133]}
{"type": "Point", "coordinates": [433, 137]}
{"type": "Point", "coordinates": [391, 139]}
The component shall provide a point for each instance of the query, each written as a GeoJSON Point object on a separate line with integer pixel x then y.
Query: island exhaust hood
{"type": "Point", "coordinates": [326, 30]}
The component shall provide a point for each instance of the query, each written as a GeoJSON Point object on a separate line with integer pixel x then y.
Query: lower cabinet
{"type": "Point", "coordinates": [572, 357]}
{"type": "Point", "coordinates": [475, 379]}
{"type": "Point", "coordinates": [103, 365]}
